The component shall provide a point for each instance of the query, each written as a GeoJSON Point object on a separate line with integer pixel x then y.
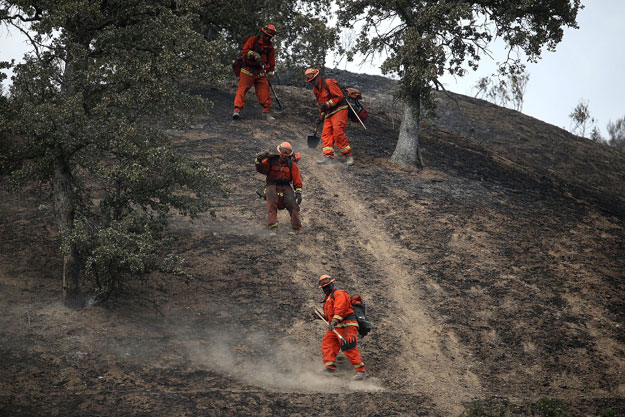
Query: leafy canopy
{"type": "Point", "coordinates": [424, 39]}
{"type": "Point", "coordinates": [303, 36]}
{"type": "Point", "coordinates": [90, 103]}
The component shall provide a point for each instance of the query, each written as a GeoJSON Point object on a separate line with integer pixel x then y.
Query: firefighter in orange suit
{"type": "Point", "coordinates": [334, 110]}
{"type": "Point", "coordinates": [259, 62]}
{"type": "Point", "coordinates": [281, 171]}
{"type": "Point", "coordinates": [338, 311]}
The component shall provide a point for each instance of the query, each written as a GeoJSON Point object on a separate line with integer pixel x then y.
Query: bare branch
{"type": "Point", "coordinates": [32, 41]}
{"type": "Point", "coordinates": [438, 85]}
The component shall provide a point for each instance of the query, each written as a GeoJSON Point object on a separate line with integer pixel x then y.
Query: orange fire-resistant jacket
{"type": "Point", "coordinates": [338, 306]}
{"type": "Point", "coordinates": [266, 51]}
{"type": "Point", "coordinates": [278, 173]}
{"type": "Point", "coordinates": [333, 95]}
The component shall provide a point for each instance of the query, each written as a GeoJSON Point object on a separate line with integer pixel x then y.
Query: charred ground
{"type": "Point", "coordinates": [495, 273]}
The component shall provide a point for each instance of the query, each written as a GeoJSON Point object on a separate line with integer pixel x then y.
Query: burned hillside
{"type": "Point", "coordinates": [496, 273]}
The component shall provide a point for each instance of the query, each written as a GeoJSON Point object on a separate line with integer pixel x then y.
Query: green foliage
{"type": "Point", "coordinates": [581, 118]}
{"type": "Point", "coordinates": [616, 131]}
{"type": "Point", "coordinates": [88, 104]}
{"type": "Point", "coordinates": [504, 90]}
{"type": "Point", "coordinates": [425, 39]}
{"type": "Point", "coordinates": [303, 37]}
{"type": "Point", "coordinates": [550, 407]}
{"type": "Point", "coordinates": [595, 134]}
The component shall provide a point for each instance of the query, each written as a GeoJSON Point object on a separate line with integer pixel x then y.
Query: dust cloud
{"type": "Point", "coordinates": [282, 368]}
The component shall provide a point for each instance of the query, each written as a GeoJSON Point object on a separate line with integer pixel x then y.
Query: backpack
{"type": "Point", "coordinates": [237, 64]}
{"type": "Point", "coordinates": [296, 156]}
{"type": "Point", "coordinates": [352, 96]}
{"type": "Point", "coordinates": [360, 311]}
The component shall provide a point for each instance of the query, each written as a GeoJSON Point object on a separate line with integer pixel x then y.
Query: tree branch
{"type": "Point", "coordinates": [32, 41]}
{"type": "Point", "coordinates": [36, 18]}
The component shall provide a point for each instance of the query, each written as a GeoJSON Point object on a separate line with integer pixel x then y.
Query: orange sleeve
{"type": "Point", "coordinates": [327, 309]}
{"type": "Point", "coordinates": [263, 166]}
{"type": "Point", "coordinates": [246, 49]}
{"type": "Point", "coordinates": [296, 177]}
{"type": "Point", "coordinates": [335, 92]}
{"type": "Point", "coordinates": [342, 305]}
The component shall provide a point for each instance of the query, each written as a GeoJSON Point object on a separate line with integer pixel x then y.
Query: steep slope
{"type": "Point", "coordinates": [485, 278]}
{"type": "Point", "coordinates": [576, 166]}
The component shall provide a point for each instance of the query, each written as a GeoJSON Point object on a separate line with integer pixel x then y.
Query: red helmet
{"type": "Point", "coordinates": [325, 279]}
{"type": "Point", "coordinates": [269, 30]}
{"type": "Point", "coordinates": [285, 148]}
{"type": "Point", "coordinates": [311, 74]}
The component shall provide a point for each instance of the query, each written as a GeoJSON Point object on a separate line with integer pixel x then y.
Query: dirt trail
{"type": "Point", "coordinates": [430, 358]}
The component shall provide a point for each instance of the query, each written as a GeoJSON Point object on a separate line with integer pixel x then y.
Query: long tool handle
{"type": "Point", "coordinates": [276, 96]}
{"type": "Point", "coordinates": [326, 322]}
{"type": "Point", "coordinates": [273, 91]}
{"type": "Point", "coordinates": [317, 125]}
{"type": "Point", "coordinates": [357, 117]}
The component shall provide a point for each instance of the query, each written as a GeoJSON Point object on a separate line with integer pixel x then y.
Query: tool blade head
{"type": "Point", "coordinates": [348, 344]}
{"type": "Point", "coordinates": [313, 141]}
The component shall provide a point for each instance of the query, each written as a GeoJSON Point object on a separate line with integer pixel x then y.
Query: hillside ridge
{"type": "Point", "coordinates": [495, 273]}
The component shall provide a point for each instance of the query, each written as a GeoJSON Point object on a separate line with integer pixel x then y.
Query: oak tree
{"type": "Point", "coordinates": [85, 116]}
{"type": "Point", "coordinates": [424, 39]}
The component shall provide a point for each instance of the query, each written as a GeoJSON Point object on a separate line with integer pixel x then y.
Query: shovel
{"type": "Point", "coordinates": [345, 344]}
{"type": "Point", "coordinates": [314, 140]}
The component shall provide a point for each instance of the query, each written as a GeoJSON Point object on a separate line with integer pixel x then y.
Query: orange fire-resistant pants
{"type": "Point", "coordinates": [334, 134]}
{"type": "Point", "coordinates": [281, 197]}
{"type": "Point", "coordinates": [330, 347]}
{"type": "Point", "coordinates": [261, 86]}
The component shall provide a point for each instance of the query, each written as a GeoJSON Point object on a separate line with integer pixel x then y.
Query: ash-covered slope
{"type": "Point", "coordinates": [485, 276]}
{"type": "Point", "coordinates": [578, 166]}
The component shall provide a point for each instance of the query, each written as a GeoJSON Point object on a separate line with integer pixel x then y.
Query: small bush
{"type": "Point", "coordinates": [550, 407]}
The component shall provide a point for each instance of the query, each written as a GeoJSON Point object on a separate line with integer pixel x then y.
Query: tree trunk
{"type": "Point", "coordinates": [64, 205]}
{"type": "Point", "coordinates": [407, 152]}
{"type": "Point", "coordinates": [64, 209]}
